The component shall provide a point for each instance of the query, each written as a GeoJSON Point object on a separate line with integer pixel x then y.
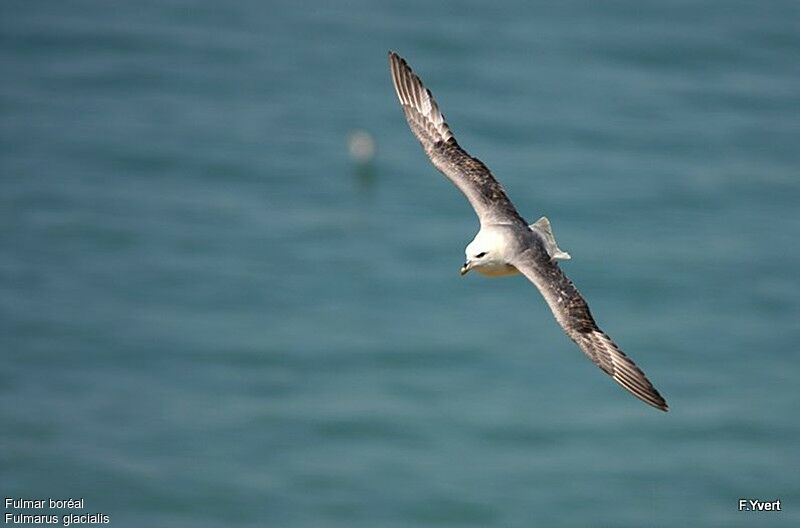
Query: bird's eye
{"type": "Point", "coordinates": [481, 254]}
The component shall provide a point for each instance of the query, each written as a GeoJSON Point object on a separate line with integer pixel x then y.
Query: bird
{"type": "Point", "coordinates": [505, 243]}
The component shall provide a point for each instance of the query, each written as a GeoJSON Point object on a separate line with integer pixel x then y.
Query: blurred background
{"type": "Point", "coordinates": [213, 314]}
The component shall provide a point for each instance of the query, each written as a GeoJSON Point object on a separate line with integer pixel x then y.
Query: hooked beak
{"type": "Point", "coordinates": [465, 268]}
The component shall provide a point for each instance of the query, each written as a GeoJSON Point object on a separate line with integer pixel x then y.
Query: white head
{"type": "Point", "coordinates": [487, 253]}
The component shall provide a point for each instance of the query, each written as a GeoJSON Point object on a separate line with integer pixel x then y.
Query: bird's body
{"type": "Point", "coordinates": [505, 243]}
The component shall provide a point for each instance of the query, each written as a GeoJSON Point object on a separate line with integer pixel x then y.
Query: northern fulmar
{"type": "Point", "coordinates": [506, 244]}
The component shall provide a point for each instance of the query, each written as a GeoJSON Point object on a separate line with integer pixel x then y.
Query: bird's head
{"type": "Point", "coordinates": [474, 260]}
{"type": "Point", "coordinates": [484, 253]}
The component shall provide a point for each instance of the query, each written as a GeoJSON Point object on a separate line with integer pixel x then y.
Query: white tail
{"type": "Point", "coordinates": [542, 226]}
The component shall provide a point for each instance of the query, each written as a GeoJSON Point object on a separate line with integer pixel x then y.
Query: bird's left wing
{"type": "Point", "coordinates": [572, 313]}
{"type": "Point", "coordinates": [469, 174]}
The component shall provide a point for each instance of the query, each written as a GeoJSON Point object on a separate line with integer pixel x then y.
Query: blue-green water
{"type": "Point", "coordinates": [210, 317]}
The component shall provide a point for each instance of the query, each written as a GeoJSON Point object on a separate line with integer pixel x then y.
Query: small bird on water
{"type": "Point", "coordinates": [506, 244]}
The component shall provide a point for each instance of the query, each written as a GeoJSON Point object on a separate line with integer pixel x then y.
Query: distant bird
{"type": "Point", "coordinates": [505, 243]}
{"type": "Point", "coordinates": [361, 146]}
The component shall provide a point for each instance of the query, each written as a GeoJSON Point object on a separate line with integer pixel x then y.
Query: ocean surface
{"type": "Point", "coordinates": [210, 315]}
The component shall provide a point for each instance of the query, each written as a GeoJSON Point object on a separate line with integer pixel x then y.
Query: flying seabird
{"type": "Point", "coordinates": [505, 243]}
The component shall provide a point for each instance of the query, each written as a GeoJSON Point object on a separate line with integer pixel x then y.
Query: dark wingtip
{"type": "Point", "coordinates": [660, 403]}
{"type": "Point", "coordinates": [653, 398]}
{"type": "Point", "coordinates": [395, 57]}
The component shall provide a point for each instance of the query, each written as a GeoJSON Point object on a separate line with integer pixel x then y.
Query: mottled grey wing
{"type": "Point", "coordinates": [469, 174]}
{"type": "Point", "coordinates": [572, 313]}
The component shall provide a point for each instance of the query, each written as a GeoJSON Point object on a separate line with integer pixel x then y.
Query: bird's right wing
{"type": "Point", "coordinates": [572, 313]}
{"type": "Point", "coordinates": [469, 174]}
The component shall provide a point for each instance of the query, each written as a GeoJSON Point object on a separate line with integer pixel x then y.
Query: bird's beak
{"type": "Point", "coordinates": [465, 268]}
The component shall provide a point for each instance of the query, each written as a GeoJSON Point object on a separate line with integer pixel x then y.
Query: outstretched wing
{"type": "Point", "coordinates": [469, 174]}
{"type": "Point", "coordinates": [572, 313]}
